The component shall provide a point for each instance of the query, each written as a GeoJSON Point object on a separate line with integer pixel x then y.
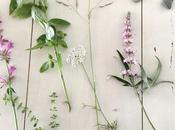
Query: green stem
{"type": "Point", "coordinates": [92, 69]}
{"type": "Point", "coordinates": [63, 82]}
{"type": "Point", "coordinates": [14, 109]}
{"type": "Point", "coordinates": [144, 110]}
{"type": "Point", "coordinates": [96, 97]}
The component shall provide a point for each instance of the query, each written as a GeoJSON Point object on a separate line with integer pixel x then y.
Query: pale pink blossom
{"type": "Point", "coordinates": [11, 70]}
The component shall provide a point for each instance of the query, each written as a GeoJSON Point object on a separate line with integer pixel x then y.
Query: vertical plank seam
{"type": "Point", "coordinates": [142, 98]}
{"type": "Point", "coordinates": [28, 73]}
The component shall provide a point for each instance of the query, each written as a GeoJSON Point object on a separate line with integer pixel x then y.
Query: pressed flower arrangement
{"type": "Point", "coordinates": [52, 38]}
{"type": "Point", "coordinates": [131, 77]}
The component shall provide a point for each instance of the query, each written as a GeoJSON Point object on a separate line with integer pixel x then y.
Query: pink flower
{"type": "Point", "coordinates": [10, 45]}
{"type": "Point", "coordinates": [5, 49]}
{"type": "Point", "coordinates": [3, 81]}
{"type": "Point", "coordinates": [11, 70]}
{"type": "Point", "coordinates": [129, 50]}
{"type": "Point", "coordinates": [130, 60]}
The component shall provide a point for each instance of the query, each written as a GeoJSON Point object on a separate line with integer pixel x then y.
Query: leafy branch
{"type": "Point", "coordinates": [52, 38]}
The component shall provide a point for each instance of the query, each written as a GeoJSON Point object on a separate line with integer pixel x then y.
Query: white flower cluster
{"type": "Point", "coordinates": [77, 56]}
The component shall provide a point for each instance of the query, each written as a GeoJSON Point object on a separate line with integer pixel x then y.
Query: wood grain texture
{"type": "Point", "coordinates": [107, 23]}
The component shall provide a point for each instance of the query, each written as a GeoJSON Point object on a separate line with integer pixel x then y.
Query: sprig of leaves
{"type": "Point", "coordinates": [53, 100]}
{"type": "Point", "coordinates": [52, 38]}
{"type": "Point", "coordinates": [21, 108]}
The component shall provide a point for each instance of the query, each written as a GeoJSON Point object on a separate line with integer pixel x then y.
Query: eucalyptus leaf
{"type": "Point", "coordinates": [56, 21]}
{"type": "Point", "coordinates": [23, 11]}
{"type": "Point", "coordinates": [44, 67]}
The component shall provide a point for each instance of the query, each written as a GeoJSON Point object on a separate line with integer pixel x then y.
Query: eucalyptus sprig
{"type": "Point", "coordinates": [52, 38]}
{"type": "Point", "coordinates": [130, 77]}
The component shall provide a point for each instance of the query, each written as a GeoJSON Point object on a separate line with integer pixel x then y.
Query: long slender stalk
{"type": "Point", "coordinates": [11, 99]}
{"type": "Point", "coordinates": [99, 106]}
{"type": "Point", "coordinates": [92, 69]}
{"type": "Point", "coordinates": [144, 110]}
{"type": "Point", "coordinates": [63, 82]}
{"type": "Point", "coordinates": [14, 108]}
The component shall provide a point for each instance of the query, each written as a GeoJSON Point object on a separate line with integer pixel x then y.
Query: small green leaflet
{"type": "Point", "coordinates": [122, 59]}
{"type": "Point", "coordinates": [13, 6]}
{"type": "Point", "coordinates": [44, 67]}
{"type": "Point", "coordinates": [56, 21]}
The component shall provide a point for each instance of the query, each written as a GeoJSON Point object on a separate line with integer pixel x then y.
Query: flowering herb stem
{"type": "Point", "coordinates": [10, 93]}
{"type": "Point", "coordinates": [63, 80]}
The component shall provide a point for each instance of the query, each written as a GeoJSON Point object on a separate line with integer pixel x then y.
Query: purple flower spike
{"type": "Point", "coordinates": [128, 50]}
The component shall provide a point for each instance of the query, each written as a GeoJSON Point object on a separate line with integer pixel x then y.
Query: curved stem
{"type": "Point", "coordinates": [144, 110]}
{"type": "Point", "coordinates": [98, 103]}
{"type": "Point", "coordinates": [92, 69]}
{"type": "Point", "coordinates": [63, 81]}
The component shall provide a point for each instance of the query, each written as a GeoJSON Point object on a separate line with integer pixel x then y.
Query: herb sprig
{"type": "Point", "coordinates": [52, 38]}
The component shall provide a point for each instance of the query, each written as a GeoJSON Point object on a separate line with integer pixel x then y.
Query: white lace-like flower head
{"type": "Point", "coordinates": [77, 56]}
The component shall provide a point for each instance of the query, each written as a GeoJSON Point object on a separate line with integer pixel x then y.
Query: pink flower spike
{"type": "Point", "coordinates": [2, 79]}
{"type": "Point", "coordinates": [11, 70]}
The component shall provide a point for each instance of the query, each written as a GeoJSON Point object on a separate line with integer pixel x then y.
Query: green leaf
{"type": "Point", "coordinates": [39, 15]}
{"type": "Point", "coordinates": [157, 72]}
{"type": "Point", "coordinates": [126, 83]}
{"type": "Point", "coordinates": [23, 11]}
{"type": "Point", "coordinates": [62, 43]}
{"type": "Point", "coordinates": [44, 67]}
{"type": "Point", "coordinates": [56, 21]}
{"type": "Point", "coordinates": [144, 78]}
{"type": "Point", "coordinates": [41, 43]}
{"type": "Point", "coordinates": [161, 82]}
{"type": "Point", "coordinates": [122, 59]}
{"type": "Point", "coordinates": [43, 5]}
{"type": "Point", "coordinates": [13, 6]}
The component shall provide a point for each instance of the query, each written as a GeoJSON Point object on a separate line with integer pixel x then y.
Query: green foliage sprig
{"type": "Point", "coordinates": [52, 38]}
{"type": "Point", "coordinates": [53, 100]}
{"type": "Point", "coordinates": [21, 107]}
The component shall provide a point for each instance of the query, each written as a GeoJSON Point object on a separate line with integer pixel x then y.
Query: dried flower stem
{"type": "Point", "coordinates": [63, 81]}
{"type": "Point", "coordinates": [98, 106]}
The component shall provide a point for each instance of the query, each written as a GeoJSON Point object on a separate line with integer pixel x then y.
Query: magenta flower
{"type": "Point", "coordinates": [11, 70]}
{"type": "Point", "coordinates": [5, 49]}
{"type": "Point", "coordinates": [3, 81]}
